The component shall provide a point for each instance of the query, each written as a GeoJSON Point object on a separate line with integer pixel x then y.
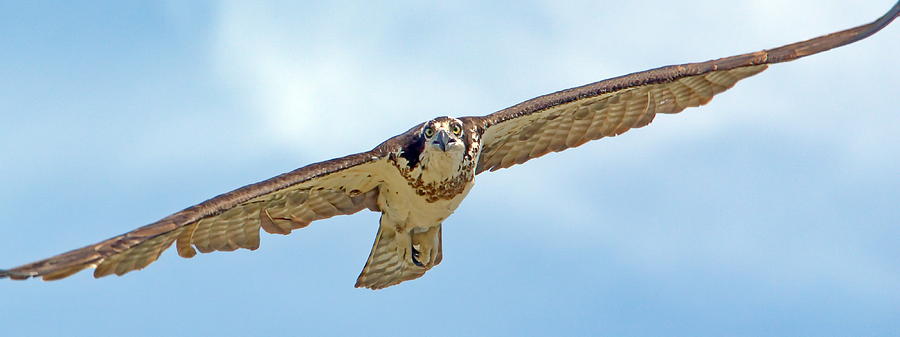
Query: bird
{"type": "Point", "coordinates": [418, 178]}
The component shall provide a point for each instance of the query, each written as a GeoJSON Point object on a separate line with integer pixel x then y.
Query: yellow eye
{"type": "Point", "coordinates": [456, 129]}
{"type": "Point", "coordinates": [429, 132]}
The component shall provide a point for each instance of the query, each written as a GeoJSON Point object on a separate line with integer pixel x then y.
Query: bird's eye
{"type": "Point", "coordinates": [429, 132]}
{"type": "Point", "coordinates": [456, 129]}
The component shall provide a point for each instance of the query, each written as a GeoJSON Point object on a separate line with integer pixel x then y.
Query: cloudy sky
{"type": "Point", "coordinates": [770, 211]}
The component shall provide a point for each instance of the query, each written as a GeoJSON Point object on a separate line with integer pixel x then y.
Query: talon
{"type": "Point", "coordinates": [415, 256]}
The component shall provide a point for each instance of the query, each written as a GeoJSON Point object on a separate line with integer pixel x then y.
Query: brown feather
{"type": "Point", "coordinates": [545, 124]}
{"type": "Point", "coordinates": [232, 220]}
{"type": "Point", "coordinates": [390, 261]}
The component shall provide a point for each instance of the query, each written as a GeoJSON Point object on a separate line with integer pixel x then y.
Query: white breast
{"type": "Point", "coordinates": [398, 200]}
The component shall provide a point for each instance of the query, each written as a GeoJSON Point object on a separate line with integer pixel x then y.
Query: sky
{"type": "Point", "coordinates": [770, 211]}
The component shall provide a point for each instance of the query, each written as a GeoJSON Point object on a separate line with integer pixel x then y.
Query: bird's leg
{"type": "Point", "coordinates": [423, 243]}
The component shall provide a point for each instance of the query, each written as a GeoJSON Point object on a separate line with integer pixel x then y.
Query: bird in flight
{"type": "Point", "coordinates": [418, 178]}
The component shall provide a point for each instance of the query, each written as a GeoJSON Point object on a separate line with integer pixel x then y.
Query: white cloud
{"type": "Point", "coordinates": [332, 79]}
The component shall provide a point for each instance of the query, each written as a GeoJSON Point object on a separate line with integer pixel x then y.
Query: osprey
{"type": "Point", "coordinates": [418, 178]}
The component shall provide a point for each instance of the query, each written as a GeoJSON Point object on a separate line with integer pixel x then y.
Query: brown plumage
{"type": "Point", "coordinates": [405, 249]}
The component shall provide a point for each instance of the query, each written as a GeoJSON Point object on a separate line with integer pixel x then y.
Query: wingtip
{"type": "Point", "coordinates": [13, 275]}
{"type": "Point", "coordinates": [882, 21]}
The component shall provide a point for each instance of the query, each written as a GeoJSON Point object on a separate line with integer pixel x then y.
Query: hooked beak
{"type": "Point", "coordinates": [441, 140]}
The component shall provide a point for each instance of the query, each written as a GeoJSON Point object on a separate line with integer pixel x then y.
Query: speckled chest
{"type": "Point", "coordinates": [436, 181]}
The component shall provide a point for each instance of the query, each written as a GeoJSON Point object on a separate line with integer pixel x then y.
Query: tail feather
{"type": "Point", "coordinates": [399, 256]}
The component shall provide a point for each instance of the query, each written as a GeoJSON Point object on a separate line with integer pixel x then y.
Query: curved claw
{"type": "Point", "coordinates": [415, 255]}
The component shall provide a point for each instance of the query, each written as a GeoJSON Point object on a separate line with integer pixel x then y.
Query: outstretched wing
{"type": "Point", "coordinates": [571, 117]}
{"type": "Point", "coordinates": [232, 220]}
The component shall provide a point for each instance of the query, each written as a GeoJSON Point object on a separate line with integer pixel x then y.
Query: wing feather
{"type": "Point", "coordinates": [572, 117]}
{"type": "Point", "coordinates": [232, 220]}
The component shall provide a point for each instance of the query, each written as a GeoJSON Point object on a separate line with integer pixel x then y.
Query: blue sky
{"type": "Point", "coordinates": [771, 211]}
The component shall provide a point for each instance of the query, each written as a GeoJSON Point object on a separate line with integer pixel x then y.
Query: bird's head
{"type": "Point", "coordinates": [444, 134]}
